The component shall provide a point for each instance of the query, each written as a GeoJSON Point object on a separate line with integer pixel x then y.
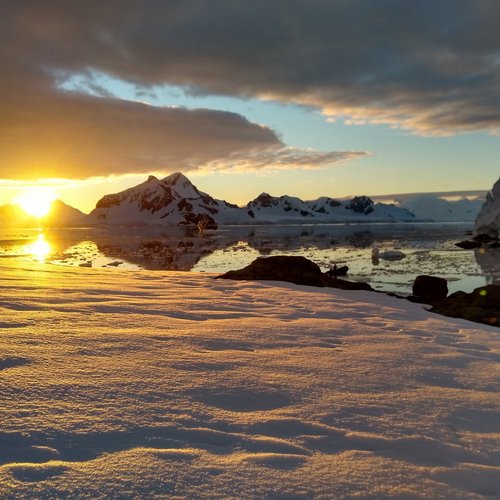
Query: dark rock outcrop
{"type": "Point", "coordinates": [479, 241]}
{"type": "Point", "coordinates": [482, 305]}
{"type": "Point", "coordinates": [469, 244]}
{"type": "Point", "coordinates": [337, 271]}
{"type": "Point", "coordinates": [298, 270]}
{"type": "Point", "coordinates": [430, 288]}
{"type": "Point", "coordinates": [360, 204]}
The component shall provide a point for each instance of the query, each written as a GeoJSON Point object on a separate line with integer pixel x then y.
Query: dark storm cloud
{"type": "Point", "coordinates": [48, 132]}
{"type": "Point", "coordinates": [429, 65]}
{"type": "Point", "coordinates": [80, 136]}
{"type": "Point", "coordinates": [432, 66]}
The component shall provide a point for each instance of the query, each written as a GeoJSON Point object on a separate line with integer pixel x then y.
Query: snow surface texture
{"type": "Point", "coordinates": [175, 200]}
{"type": "Point", "coordinates": [150, 385]}
{"type": "Point", "coordinates": [488, 219]}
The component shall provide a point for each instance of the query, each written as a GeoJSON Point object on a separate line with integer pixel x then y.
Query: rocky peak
{"type": "Point", "coordinates": [360, 204]}
{"type": "Point", "coordinates": [263, 200]}
{"type": "Point", "coordinates": [181, 185]}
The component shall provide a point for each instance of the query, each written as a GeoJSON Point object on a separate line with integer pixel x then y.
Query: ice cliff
{"type": "Point", "coordinates": [488, 220]}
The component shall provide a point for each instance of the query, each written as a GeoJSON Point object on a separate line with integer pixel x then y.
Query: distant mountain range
{"type": "Point", "coordinates": [174, 200]}
{"type": "Point", "coordinates": [61, 215]}
{"type": "Point", "coordinates": [449, 207]}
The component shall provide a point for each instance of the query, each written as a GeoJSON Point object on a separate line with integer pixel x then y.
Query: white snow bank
{"type": "Point", "coordinates": [151, 384]}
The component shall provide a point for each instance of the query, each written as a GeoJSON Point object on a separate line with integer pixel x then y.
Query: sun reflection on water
{"type": "Point", "coordinates": [39, 249]}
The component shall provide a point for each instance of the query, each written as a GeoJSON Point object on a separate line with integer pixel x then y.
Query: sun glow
{"type": "Point", "coordinates": [39, 249]}
{"type": "Point", "coordinates": [36, 201]}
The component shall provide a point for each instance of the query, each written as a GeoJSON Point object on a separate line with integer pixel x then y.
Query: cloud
{"type": "Point", "coordinates": [48, 132]}
{"type": "Point", "coordinates": [280, 158]}
{"type": "Point", "coordinates": [76, 136]}
{"type": "Point", "coordinates": [425, 66]}
{"type": "Point", "coordinates": [70, 135]}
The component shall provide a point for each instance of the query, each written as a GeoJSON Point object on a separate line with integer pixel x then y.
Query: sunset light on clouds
{"type": "Point", "coordinates": [340, 98]}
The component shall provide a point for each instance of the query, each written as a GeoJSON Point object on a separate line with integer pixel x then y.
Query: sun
{"type": "Point", "coordinates": [36, 201]}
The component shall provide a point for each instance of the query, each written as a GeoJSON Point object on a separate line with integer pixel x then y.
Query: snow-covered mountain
{"type": "Point", "coordinates": [170, 201]}
{"type": "Point", "coordinates": [439, 209]}
{"type": "Point", "coordinates": [174, 200]}
{"type": "Point", "coordinates": [266, 208]}
{"type": "Point", "coordinates": [488, 220]}
{"type": "Point", "coordinates": [60, 215]}
{"type": "Point", "coordinates": [63, 215]}
{"type": "Point", "coordinates": [12, 215]}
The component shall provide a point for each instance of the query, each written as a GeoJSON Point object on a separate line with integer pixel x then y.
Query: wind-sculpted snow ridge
{"type": "Point", "coordinates": [142, 385]}
{"type": "Point", "coordinates": [175, 200]}
{"type": "Point", "coordinates": [488, 220]}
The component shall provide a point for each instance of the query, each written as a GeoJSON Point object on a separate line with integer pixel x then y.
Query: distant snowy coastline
{"type": "Point", "coordinates": [461, 206]}
{"type": "Point", "coordinates": [175, 201]}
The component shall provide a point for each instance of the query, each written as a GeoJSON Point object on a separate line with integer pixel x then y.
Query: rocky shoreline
{"type": "Point", "coordinates": [480, 306]}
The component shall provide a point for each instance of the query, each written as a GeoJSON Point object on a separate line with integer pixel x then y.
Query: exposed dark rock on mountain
{"type": "Point", "coordinates": [360, 204]}
{"type": "Point", "coordinates": [267, 208]}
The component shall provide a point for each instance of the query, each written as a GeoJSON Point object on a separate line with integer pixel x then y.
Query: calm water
{"type": "Point", "coordinates": [428, 249]}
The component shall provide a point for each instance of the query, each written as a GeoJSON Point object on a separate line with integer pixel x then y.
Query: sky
{"type": "Point", "coordinates": [329, 97]}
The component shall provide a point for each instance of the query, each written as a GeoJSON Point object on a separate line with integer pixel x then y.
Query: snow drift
{"type": "Point", "coordinates": [152, 385]}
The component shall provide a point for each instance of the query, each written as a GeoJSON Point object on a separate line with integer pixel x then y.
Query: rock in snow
{"type": "Point", "coordinates": [430, 288]}
{"type": "Point", "coordinates": [293, 269]}
{"type": "Point", "coordinates": [488, 220]}
{"type": "Point", "coordinates": [482, 305]}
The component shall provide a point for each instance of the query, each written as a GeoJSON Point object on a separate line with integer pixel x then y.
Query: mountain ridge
{"type": "Point", "coordinates": [175, 200]}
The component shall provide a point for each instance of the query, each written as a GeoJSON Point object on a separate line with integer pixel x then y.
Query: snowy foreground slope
{"type": "Point", "coordinates": [152, 384]}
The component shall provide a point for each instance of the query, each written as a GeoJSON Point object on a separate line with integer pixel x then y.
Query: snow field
{"type": "Point", "coordinates": [150, 384]}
